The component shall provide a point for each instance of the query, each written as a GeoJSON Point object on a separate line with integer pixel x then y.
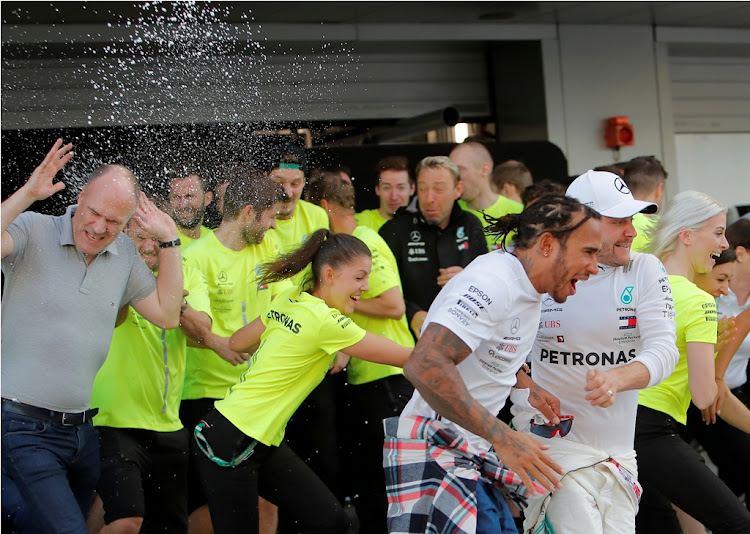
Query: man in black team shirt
{"type": "Point", "coordinates": [432, 238]}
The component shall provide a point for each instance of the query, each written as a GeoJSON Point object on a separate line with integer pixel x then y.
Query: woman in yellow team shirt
{"type": "Point", "coordinates": [687, 239]}
{"type": "Point", "coordinates": [239, 445]}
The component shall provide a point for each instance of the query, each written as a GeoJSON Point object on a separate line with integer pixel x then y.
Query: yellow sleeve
{"type": "Point", "coordinates": [337, 332]}
{"type": "Point", "coordinates": [701, 324]}
{"type": "Point", "coordinates": [197, 287]}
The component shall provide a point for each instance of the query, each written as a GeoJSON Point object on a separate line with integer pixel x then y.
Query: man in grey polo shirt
{"type": "Point", "coordinates": [66, 279]}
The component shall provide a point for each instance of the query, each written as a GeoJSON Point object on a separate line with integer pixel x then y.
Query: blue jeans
{"type": "Point", "coordinates": [49, 472]}
{"type": "Point", "coordinates": [493, 513]}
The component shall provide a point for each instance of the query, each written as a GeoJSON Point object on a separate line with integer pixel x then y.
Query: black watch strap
{"type": "Point", "coordinates": [173, 243]}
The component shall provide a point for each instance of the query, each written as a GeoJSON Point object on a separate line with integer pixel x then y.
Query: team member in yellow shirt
{"type": "Point", "coordinates": [143, 445]}
{"type": "Point", "coordinates": [297, 219]}
{"type": "Point", "coordinates": [645, 178]}
{"type": "Point", "coordinates": [312, 432]}
{"type": "Point", "coordinates": [239, 445]}
{"type": "Point", "coordinates": [475, 163]}
{"type": "Point", "coordinates": [229, 258]}
{"type": "Point", "coordinates": [188, 199]}
{"type": "Point", "coordinates": [687, 238]}
{"type": "Point", "coordinates": [380, 391]}
{"type": "Point", "coordinates": [394, 186]}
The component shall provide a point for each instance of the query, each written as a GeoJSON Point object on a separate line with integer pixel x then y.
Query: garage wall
{"type": "Point", "coordinates": [596, 72]}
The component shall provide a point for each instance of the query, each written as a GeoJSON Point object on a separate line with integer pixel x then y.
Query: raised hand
{"type": "Point", "coordinates": [40, 184]}
{"type": "Point", "coordinates": [154, 221]}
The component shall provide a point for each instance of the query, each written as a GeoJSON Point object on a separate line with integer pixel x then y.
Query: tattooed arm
{"type": "Point", "coordinates": [432, 369]}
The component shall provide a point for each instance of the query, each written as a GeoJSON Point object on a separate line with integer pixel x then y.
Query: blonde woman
{"type": "Point", "coordinates": [688, 239]}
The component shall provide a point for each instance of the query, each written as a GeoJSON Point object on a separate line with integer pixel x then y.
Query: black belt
{"type": "Point", "coordinates": [61, 418]}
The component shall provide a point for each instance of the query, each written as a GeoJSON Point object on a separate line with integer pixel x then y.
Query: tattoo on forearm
{"type": "Point", "coordinates": [432, 370]}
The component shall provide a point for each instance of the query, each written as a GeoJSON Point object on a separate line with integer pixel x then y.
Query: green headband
{"type": "Point", "coordinates": [289, 166]}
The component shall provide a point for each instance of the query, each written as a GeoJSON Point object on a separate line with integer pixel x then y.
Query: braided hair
{"type": "Point", "coordinates": [552, 213]}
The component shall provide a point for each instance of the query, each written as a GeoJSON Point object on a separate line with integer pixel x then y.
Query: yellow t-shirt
{"type": "Point", "coordinates": [383, 277]}
{"type": "Point", "coordinates": [643, 225]}
{"type": "Point", "coordinates": [290, 234]}
{"type": "Point", "coordinates": [140, 383]}
{"type": "Point", "coordinates": [370, 218]}
{"type": "Point", "coordinates": [503, 206]}
{"type": "Point", "coordinates": [695, 318]}
{"type": "Point", "coordinates": [187, 240]}
{"type": "Point", "coordinates": [236, 300]}
{"type": "Point", "coordinates": [301, 339]}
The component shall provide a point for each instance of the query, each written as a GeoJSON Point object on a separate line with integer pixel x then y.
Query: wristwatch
{"type": "Point", "coordinates": [173, 243]}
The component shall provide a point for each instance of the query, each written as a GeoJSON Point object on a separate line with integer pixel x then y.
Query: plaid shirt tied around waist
{"type": "Point", "coordinates": [431, 478]}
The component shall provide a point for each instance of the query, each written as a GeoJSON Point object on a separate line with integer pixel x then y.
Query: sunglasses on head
{"type": "Point", "coordinates": [549, 431]}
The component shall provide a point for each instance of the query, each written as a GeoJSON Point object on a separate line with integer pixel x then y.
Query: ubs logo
{"type": "Point", "coordinates": [621, 186]}
{"type": "Point", "coordinates": [415, 235]}
{"type": "Point", "coordinates": [223, 276]}
{"type": "Point", "coordinates": [515, 325]}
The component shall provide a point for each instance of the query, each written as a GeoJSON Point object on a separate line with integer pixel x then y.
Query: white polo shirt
{"type": "Point", "coordinates": [617, 316]}
{"type": "Point", "coordinates": [492, 307]}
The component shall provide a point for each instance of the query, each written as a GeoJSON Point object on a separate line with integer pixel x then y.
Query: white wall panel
{"type": "Point", "coordinates": [604, 71]}
{"type": "Point", "coordinates": [710, 93]}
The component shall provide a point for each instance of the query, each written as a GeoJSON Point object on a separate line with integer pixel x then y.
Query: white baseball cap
{"type": "Point", "coordinates": [607, 194]}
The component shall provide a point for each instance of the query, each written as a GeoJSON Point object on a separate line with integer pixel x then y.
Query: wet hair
{"type": "Point", "coordinates": [541, 189]}
{"type": "Point", "coordinates": [287, 155]}
{"type": "Point", "coordinates": [511, 172]}
{"type": "Point", "coordinates": [185, 171]}
{"type": "Point", "coordinates": [738, 234]}
{"type": "Point", "coordinates": [322, 248]}
{"type": "Point", "coordinates": [555, 214]}
{"type": "Point", "coordinates": [331, 186]}
{"type": "Point", "coordinates": [643, 174]}
{"type": "Point", "coordinates": [727, 256]}
{"type": "Point", "coordinates": [122, 170]}
{"type": "Point", "coordinates": [689, 209]}
{"type": "Point", "coordinates": [249, 186]}
{"type": "Point", "coordinates": [439, 162]}
{"type": "Point", "coordinates": [392, 163]}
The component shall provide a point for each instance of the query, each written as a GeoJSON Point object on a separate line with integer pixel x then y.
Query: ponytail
{"type": "Point", "coordinates": [322, 248]}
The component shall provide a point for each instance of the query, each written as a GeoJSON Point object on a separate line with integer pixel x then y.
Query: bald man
{"type": "Point", "coordinates": [475, 163]}
{"type": "Point", "coordinates": [66, 278]}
